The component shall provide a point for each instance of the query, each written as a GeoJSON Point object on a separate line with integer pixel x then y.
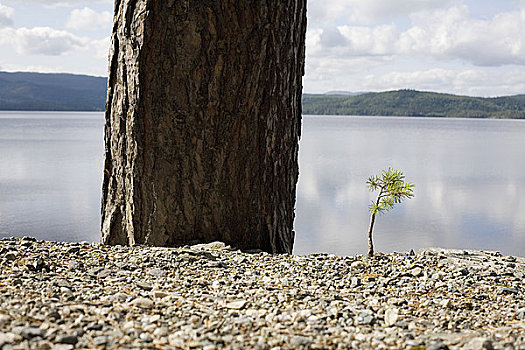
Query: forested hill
{"type": "Point", "coordinates": [415, 103]}
{"type": "Point", "coordinates": [69, 92]}
{"type": "Point", "coordinates": [51, 92]}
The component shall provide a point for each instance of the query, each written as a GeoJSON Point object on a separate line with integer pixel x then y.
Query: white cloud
{"type": "Point", "coordinates": [366, 11]}
{"type": "Point", "coordinates": [474, 82]}
{"type": "Point", "coordinates": [332, 37]}
{"type": "Point", "coordinates": [88, 19]}
{"type": "Point", "coordinates": [351, 41]}
{"type": "Point", "coordinates": [371, 41]}
{"type": "Point", "coordinates": [453, 34]}
{"type": "Point", "coordinates": [335, 73]}
{"type": "Point", "coordinates": [30, 68]}
{"type": "Point", "coordinates": [369, 11]}
{"type": "Point", "coordinates": [443, 34]}
{"type": "Point", "coordinates": [41, 40]}
{"type": "Point", "coordinates": [325, 11]}
{"type": "Point", "coordinates": [426, 79]}
{"type": "Point", "coordinates": [353, 45]}
{"type": "Point", "coordinates": [101, 47]}
{"type": "Point", "coordinates": [313, 40]}
{"type": "Point", "coordinates": [5, 16]}
{"type": "Point", "coordinates": [53, 3]}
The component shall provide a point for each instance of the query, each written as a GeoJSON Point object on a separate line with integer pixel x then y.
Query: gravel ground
{"type": "Point", "coordinates": [57, 295]}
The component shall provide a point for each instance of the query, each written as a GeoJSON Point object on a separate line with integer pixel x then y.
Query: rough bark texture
{"type": "Point", "coordinates": [203, 120]}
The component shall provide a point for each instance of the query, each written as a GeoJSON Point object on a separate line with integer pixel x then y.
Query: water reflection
{"type": "Point", "coordinates": [50, 175]}
{"type": "Point", "coordinates": [467, 175]}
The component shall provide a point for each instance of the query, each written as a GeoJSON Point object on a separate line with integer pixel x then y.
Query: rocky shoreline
{"type": "Point", "coordinates": [58, 295]}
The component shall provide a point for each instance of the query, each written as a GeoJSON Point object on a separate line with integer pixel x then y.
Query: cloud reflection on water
{"type": "Point", "coordinates": [467, 175]}
{"type": "Point", "coordinates": [50, 175]}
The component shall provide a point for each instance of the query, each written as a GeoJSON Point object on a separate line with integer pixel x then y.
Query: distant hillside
{"type": "Point", "coordinates": [69, 92]}
{"type": "Point", "coordinates": [415, 103]}
{"type": "Point", "coordinates": [51, 92]}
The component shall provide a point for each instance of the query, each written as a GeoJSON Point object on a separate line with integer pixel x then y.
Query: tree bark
{"type": "Point", "coordinates": [370, 229]}
{"type": "Point", "coordinates": [203, 119]}
{"type": "Point", "coordinates": [372, 221]}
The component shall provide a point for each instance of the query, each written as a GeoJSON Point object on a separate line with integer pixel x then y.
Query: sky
{"type": "Point", "coordinates": [466, 47]}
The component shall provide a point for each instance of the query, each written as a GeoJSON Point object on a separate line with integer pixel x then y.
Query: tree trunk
{"type": "Point", "coordinates": [203, 120]}
{"type": "Point", "coordinates": [373, 213]}
{"type": "Point", "coordinates": [370, 229]}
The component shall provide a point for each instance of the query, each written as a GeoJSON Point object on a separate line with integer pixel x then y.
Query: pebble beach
{"type": "Point", "coordinates": [60, 295]}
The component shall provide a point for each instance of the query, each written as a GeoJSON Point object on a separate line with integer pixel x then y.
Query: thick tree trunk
{"type": "Point", "coordinates": [203, 120]}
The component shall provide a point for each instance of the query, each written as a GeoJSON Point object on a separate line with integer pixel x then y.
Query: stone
{"type": "Point", "coordinates": [6, 338]}
{"type": "Point", "coordinates": [143, 303]}
{"type": "Point", "coordinates": [76, 265]}
{"type": "Point", "coordinates": [62, 347]}
{"type": "Point", "coordinates": [159, 294]}
{"type": "Point", "coordinates": [104, 273]}
{"type": "Point", "coordinates": [365, 318]}
{"type": "Point", "coordinates": [101, 340]}
{"type": "Point", "coordinates": [479, 343]}
{"type": "Point", "coordinates": [144, 285]}
{"type": "Point", "coordinates": [355, 282]}
{"type": "Point", "coordinates": [53, 314]}
{"type": "Point", "coordinates": [145, 337]}
{"type": "Point", "coordinates": [210, 246]}
{"type": "Point", "coordinates": [462, 271]}
{"type": "Point", "coordinates": [161, 332]}
{"type": "Point", "coordinates": [437, 346]}
{"type": "Point", "coordinates": [4, 319]}
{"type": "Point", "coordinates": [358, 264]}
{"type": "Point", "coordinates": [303, 302]}
{"type": "Point", "coordinates": [11, 256]}
{"type": "Point", "coordinates": [122, 297]}
{"type": "Point", "coordinates": [237, 304]}
{"type": "Point", "coordinates": [402, 324]}
{"type": "Point", "coordinates": [37, 265]}
{"type": "Point", "coordinates": [416, 272]}
{"type": "Point", "coordinates": [154, 318]}
{"type": "Point", "coordinates": [94, 326]}
{"type": "Point", "coordinates": [446, 303]}
{"type": "Point", "coordinates": [156, 272]}
{"type": "Point", "coordinates": [32, 332]}
{"type": "Point", "coordinates": [391, 317]}
{"type": "Point", "coordinates": [508, 290]}
{"type": "Point", "coordinates": [67, 339]}
{"type": "Point", "coordinates": [521, 313]}
{"type": "Point", "coordinates": [298, 340]}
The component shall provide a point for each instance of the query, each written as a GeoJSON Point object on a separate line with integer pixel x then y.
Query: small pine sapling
{"type": "Point", "coordinates": [392, 190]}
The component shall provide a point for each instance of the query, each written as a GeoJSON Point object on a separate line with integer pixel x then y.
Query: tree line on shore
{"type": "Point", "coordinates": [415, 103]}
{"type": "Point", "coordinates": [23, 91]}
{"type": "Point", "coordinates": [69, 92]}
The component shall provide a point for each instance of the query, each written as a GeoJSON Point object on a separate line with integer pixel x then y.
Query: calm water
{"type": "Point", "coordinates": [469, 176]}
{"type": "Point", "coordinates": [50, 175]}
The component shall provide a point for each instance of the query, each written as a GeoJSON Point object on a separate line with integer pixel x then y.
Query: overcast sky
{"type": "Point", "coordinates": [470, 47]}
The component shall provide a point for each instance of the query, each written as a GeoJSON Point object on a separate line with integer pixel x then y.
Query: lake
{"type": "Point", "coordinates": [469, 176]}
